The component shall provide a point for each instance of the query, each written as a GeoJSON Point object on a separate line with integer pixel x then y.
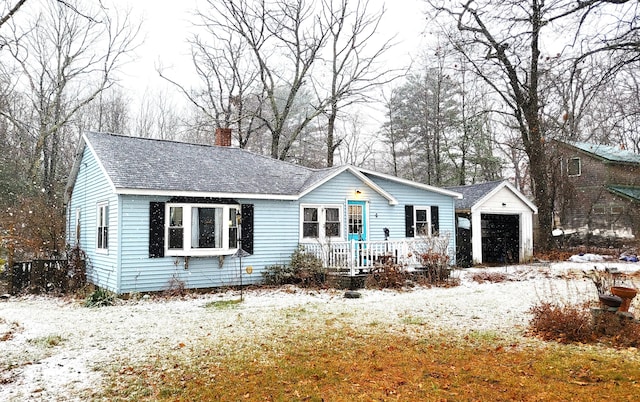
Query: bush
{"type": "Point", "coordinates": [279, 274]}
{"type": "Point", "coordinates": [387, 276]}
{"type": "Point", "coordinates": [100, 298]}
{"type": "Point", "coordinates": [435, 268]}
{"type": "Point", "coordinates": [305, 270]}
{"type": "Point", "coordinates": [175, 288]}
{"type": "Point", "coordinates": [576, 323]}
{"type": "Point", "coordinates": [563, 323]}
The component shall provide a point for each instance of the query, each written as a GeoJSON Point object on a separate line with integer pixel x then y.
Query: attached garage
{"type": "Point", "coordinates": [494, 224]}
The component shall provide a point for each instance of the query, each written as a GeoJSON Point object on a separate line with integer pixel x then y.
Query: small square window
{"type": "Point", "coordinates": [574, 167]}
{"type": "Point", "coordinates": [599, 210]}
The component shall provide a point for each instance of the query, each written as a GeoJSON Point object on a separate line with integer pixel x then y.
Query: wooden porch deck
{"type": "Point", "coordinates": [359, 257]}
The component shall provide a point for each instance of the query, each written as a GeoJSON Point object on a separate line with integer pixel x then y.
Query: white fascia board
{"type": "Point", "coordinates": [392, 200]}
{"type": "Point", "coordinates": [413, 183]}
{"type": "Point", "coordinates": [499, 187]}
{"type": "Point", "coordinates": [173, 193]}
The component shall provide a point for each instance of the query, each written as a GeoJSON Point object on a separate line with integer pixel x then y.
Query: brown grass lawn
{"type": "Point", "coordinates": [325, 363]}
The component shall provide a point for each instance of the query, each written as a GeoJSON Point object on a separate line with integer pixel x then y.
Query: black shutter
{"type": "Point", "coordinates": [156, 229]}
{"type": "Point", "coordinates": [247, 227]}
{"type": "Point", "coordinates": [435, 220]}
{"type": "Point", "coordinates": [408, 221]}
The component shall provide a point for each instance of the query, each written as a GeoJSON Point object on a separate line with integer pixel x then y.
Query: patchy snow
{"type": "Point", "coordinates": [56, 349]}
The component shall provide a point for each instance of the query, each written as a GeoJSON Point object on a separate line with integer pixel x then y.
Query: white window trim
{"type": "Point", "coordinates": [99, 207]}
{"type": "Point", "coordinates": [188, 250]}
{"type": "Point", "coordinates": [415, 219]}
{"type": "Point", "coordinates": [321, 222]}
{"type": "Point", "coordinates": [579, 166]}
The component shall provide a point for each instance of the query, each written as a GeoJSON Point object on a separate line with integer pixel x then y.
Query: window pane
{"type": "Point", "coordinates": [422, 223]}
{"type": "Point", "coordinates": [573, 167]}
{"type": "Point", "coordinates": [175, 218]}
{"type": "Point", "coordinates": [233, 228]}
{"type": "Point", "coordinates": [355, 219]}
{"type": "Point", "coordinates": [332, 229]}
{"type": "Point", "coordinates": [422, 228]}
{"type": "Point", "coordinates": [310, 230]}
{"type": "Point", "coordinates": [332, 222]}
{"type": "Point", "coordinates": [311, 215]}
{"type": "Point", "coordinates": [103, 229]}
{"type": "Point", "coordinates": [176, 238]}
{"type": "Point", "coordinates": [206, 228]}
{"type": "Point", "coordinates": [332, 214]}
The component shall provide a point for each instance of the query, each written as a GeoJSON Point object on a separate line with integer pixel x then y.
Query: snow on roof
{"type": "Point", "coordinates": [608, 152]}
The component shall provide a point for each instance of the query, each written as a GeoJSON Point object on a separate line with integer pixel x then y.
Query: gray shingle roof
{"type": "Point", "coordinates": [149, 164]}
{"type": "Point", "coordinates": [608, 152]}
{"type": "Point", "coordinates": [472, 193]}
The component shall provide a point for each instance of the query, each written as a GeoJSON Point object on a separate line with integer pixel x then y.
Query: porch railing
{"type": "Point", "coordinates": [360, 256]}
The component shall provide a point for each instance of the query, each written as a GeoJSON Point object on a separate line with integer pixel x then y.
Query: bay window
{"type": "Point", "coordinates": [201, 229]}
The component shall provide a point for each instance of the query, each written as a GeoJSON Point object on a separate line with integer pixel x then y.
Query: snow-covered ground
{"type": "Point", "coordinates": [55, 349]}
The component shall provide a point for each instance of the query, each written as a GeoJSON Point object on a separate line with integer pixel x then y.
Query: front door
{"type": "Point", "coordinates": [357, 212]}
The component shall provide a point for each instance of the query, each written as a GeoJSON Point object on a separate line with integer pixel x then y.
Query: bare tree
{"type": "Point", "coordinates": [502, 42]}
{"type": "Point", "coordinates": [359, 149]}
{"type": "Point", "coordinates": [157, 116]}
{"type": "Point", "coordinates": [230, 96]}
{"type": "Point", "coordinates": [284, 39]}
{"type": "Point", "coordinates": [9, 11]}
{"type": "Point", "coordinates": [355, 56]}
{"type": "Point", "coordinates": [259, 62]}
{"type": "Point", "coordinates": [64, 59]}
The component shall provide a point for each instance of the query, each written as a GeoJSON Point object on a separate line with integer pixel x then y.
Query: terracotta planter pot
{"type": "Point", "coordinates": [626, 294]}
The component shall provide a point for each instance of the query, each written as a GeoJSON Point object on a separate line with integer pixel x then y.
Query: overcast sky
{"type": "Point", "coordinates": [167, 25]}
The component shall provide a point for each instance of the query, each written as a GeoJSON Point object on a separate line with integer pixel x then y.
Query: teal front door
{"type": "Point", "coordinates": [357, 222]}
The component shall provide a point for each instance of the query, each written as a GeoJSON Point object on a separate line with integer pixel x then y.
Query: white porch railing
{"type": "Point", "coordinates": [360, 256]}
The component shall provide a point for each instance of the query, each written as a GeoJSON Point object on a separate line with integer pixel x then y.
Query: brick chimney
{"type": "Point", "coordinates": [223, 137]}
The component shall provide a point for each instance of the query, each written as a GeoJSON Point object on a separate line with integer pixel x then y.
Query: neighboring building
{"type": "Point", "coordinates": [495, 224]}
{"type": "Point", "coordinates": [597, 191]}
{"type": "Point", "coordinates": [151, 213]}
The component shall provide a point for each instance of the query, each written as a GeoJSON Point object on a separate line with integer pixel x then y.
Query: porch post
{"type": "Point", "coordinates": [352, 252]}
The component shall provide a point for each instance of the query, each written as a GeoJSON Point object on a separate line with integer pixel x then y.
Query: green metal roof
{"type": "Point", "coordinates": [626, 191]}
{"type": "Point", "coordinates": [608, 152]}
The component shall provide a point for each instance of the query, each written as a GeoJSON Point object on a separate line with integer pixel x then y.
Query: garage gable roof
{"type": "Point", "coordinates": [476, 194]}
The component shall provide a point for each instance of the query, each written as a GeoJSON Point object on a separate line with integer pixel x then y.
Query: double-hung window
{"type": "Point", "coordinates": [201, 229]}
{"type": "Point", "coordinates": [422, 221]}
{"type": "Point", "coordinates": [102, 239]}
{"type": "Point", "coordinates": [321, 222]}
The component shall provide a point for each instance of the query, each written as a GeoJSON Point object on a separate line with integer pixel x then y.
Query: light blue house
{"type": "Point", "coordinates": [151, 213]}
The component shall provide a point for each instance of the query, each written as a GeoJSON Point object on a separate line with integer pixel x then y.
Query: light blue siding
{"type": "Point", "coordinates": [409, 195]}
{"type": "Point", "coordinates": [275, 239]}
{"type": "Point", "coordinates": [381, 214]}
{"type": "Point", "coordinates": [91, 188]}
